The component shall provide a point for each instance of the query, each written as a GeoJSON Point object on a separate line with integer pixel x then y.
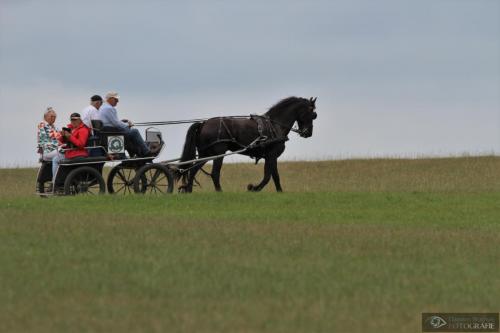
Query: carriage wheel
{"type": "Point", "coordinates": [121, 180]}
{"type": "Point", "coordinates": [84, 180]}
{"type": "Point", "coordinates": [155, 179]}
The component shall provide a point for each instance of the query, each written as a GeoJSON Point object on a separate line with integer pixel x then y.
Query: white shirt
{"type": "Point", "coordinates": [88, 114]}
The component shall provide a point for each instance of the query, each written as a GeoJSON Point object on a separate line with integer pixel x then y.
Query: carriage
{"type": "Point", "coordinates": [84, 175]}
{"type": "Point", "coordinates": [263, 137]}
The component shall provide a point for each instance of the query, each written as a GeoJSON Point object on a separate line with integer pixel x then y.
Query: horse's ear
{"type": "Point", "coordinates": [313, 101]}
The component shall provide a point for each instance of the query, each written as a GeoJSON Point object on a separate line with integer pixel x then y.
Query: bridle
{"type": "Point", "coordinates": [301, 132]}
{"type": "Point", "coordinates": [283, 126]}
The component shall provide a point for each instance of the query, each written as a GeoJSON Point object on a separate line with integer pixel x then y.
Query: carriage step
{"type": "Point", "coordinates": [83, 160]}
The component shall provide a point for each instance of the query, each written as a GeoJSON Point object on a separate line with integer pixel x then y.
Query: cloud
{"type": "Point", "coordinates": [392, 77]}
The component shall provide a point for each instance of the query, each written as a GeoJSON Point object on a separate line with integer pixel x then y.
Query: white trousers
{"type": "Point", "coordinates": [49, 156]}
{"type": "Point", "coordinates": [55, 166]}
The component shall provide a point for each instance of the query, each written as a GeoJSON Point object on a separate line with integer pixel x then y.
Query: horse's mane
{"type": "Point", "coordinates": [283, 104]}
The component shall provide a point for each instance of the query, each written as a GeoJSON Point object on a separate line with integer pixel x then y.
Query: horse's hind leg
{"type": "Point", "coordinates": [267, 177]}
{"type": "Point", "coordinates": [192, 173]}
{"type": "Point", "coordinates": [217, 165]}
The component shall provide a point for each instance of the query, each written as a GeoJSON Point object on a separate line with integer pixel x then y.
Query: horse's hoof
{"type": "Point", "coordinates": [250, 188]}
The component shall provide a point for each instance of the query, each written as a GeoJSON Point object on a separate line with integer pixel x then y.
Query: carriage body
{"type": "Point", "coordinates": [85, 175]}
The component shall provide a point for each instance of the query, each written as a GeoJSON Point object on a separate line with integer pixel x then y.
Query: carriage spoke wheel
{"type": "Point", "coordinates": [121, 180]}
{"type": "Point", "coordinates": [154, 179]}
{"type": "Point", "coordinates": [84, 180]}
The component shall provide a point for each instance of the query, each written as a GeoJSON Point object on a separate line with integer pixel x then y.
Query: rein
{"type": "Point", "coordinates": [183, 121]}
{"type": "Point", "coordinates": [190, 121]}
{"type": "Point", "coordinates": [292, 129]}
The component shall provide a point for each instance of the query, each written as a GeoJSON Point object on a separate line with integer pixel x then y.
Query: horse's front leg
{"type": "Point", "coordinates": [217, 165]}
{"type": "Point", "coordinates": [267, 176]}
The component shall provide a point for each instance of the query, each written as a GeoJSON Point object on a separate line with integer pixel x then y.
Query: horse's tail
{"type": "Point", "coordinates": [189, 150]}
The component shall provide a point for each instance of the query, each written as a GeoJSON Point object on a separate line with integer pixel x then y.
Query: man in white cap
{"type": "Point", "coordinates": [109, 117]}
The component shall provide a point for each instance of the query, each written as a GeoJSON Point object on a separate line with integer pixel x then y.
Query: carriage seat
{"type": "Point", "coordinates": [97, 128]}
{"type": "Point", "coordinates": [94, 138]}
{"type": "Point", "coordinates": [96, 125]}
{"type": "Point", "coordinates": [101, 134]}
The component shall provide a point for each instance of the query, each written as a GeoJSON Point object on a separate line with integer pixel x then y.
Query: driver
{"type": "Point", "coordinates": [109, 117]}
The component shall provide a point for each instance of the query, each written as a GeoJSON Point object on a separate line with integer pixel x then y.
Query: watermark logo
{"type": "Point", "coordinates": [460, 322]}
{"type": "Point", "coordinates": [436, 321]}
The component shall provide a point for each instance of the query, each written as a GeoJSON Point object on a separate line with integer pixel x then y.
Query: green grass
{"type": "Point", "coordinates": [354, 246]}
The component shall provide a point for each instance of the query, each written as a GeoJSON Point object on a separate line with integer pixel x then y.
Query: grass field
{"type": "Point", "coordinates": [352, 246]}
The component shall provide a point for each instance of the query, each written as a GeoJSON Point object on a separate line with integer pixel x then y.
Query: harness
{"type": "Point", "coordinates": [267, 133]}
{"type": "Point", "coordinates": [263, 124]}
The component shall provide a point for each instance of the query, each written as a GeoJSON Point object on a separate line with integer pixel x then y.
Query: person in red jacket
{"type": "Point", "coordinates": [75, 137]}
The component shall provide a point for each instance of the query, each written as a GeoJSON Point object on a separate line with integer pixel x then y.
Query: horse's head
{"type": "Point", "coordinates": [294, 109]}
{"type": "Point", "coordinates": [305, 117]}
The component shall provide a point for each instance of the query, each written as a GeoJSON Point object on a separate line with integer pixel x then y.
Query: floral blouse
{"type": "Point", "coordinates": [48, 136]}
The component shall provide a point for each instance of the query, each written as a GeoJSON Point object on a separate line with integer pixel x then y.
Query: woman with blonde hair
{"type": "Point", "coordinates": [48, 135]}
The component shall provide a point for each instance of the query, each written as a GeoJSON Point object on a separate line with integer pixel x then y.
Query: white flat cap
{"type": "Point", "coordinates": [113, 94]}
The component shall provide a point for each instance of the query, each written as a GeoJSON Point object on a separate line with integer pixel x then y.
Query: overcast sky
{"type": "Point", "coordinates": [393, 78]}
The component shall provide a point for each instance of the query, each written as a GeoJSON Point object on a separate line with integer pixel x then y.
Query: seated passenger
{"type": "Point", "coordinates": [109, 117]}
{"type": "Point", "coordinates": [48, 136]}
{"type": "Point", "coordinates": [88, 114]}
{"type": "Point", "coordinates": [74, 137]}
{"type": "Point", "coordinates": [91, 110]}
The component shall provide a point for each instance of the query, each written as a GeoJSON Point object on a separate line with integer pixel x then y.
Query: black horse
{"type": "Point", "coordinates": [216, 136]}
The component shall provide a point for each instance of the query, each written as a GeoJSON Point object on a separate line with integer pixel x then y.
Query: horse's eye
{"type": "Point", "coordinates": [315, 115]}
